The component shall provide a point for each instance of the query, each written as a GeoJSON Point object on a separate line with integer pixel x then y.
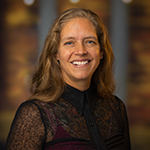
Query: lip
{"type": "Point", "coordinates": [82, 62]}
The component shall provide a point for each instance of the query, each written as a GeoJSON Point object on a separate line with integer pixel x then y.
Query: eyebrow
{"type": "Point", "coordinates": [68, 38]}
{"type": "Point", "coordinates": [91, 37]}
{"type": "Point", "coordinates": [73, 38]}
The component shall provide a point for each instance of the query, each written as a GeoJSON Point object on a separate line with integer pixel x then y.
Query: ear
{"type": "Point", "coordinates": [101, 54]}
{"type": "Point", "coordinates": [57, 56]}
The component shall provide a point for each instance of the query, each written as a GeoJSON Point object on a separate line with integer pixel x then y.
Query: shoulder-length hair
{"type": "Point", "coordinates": [47, 82]}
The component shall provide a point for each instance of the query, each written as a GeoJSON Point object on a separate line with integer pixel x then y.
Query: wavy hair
{"type": "Point", "coordinates": [47, 82]}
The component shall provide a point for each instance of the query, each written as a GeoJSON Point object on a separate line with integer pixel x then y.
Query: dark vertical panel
{"type": "Point", "coordinates": [2, 58]}
{"type": "Point", "coordinates": [48, 13]}
{"type": "Point", "coordinates": [119, 38]}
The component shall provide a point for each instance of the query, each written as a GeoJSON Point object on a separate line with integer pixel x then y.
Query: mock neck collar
{"type": "Point", "coordinates": [77, 98]}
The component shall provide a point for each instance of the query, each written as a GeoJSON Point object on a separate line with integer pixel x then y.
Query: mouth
{"type": "Point", "coordinates": [80, 62]}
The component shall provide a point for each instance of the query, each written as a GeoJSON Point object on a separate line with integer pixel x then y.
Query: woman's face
{"type": "Point", "coordinates": [79, 51]}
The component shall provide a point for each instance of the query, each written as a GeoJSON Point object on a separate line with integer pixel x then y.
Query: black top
{"type": "Point", "coordinates": [82, 101]}
{"type": "Point", "coordinates": [83, 115]}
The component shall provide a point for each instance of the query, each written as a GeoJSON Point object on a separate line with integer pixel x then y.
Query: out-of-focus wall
{"type": "Point", "coordinates": [19, 43]}
{"type": "Point", "coordinates": [138, 101]}
{"type": "Point", "coordinates": [100, 7]}
{"type": "Point", "coordinates": [18, 53]}
{"type": "Point", "coordinates": [19, 46]}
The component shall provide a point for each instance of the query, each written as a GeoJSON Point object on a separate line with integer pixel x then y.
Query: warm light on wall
{"type": "Point", "coordinates": [28, 2]}
{"type": "Point", "coordinates": [74, 1]}
{"type": "Point", "coordinates": [127, 1]}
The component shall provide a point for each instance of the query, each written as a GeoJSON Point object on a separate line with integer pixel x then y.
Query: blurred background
{"type": "Point", "coordinates": [23, 28]}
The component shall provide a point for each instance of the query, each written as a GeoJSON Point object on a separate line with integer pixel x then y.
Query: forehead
{"type": "Point", "coordinates": [78, 25]}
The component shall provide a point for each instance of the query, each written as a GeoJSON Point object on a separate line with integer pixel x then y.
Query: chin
{"type": "Point", "coordinates": [83, 77]}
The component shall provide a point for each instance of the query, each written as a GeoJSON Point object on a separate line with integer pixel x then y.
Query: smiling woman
{"type": "Point", "coordinates": [78, 53]}
{"type": "Point", "coordinates": [72, 105]}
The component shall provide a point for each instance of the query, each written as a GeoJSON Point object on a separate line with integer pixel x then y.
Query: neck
{"type": "Point", "coordinates": [81, 86]}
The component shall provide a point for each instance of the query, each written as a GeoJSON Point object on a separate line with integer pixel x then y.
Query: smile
{"type": "Point", "coordinates": [80, 62]}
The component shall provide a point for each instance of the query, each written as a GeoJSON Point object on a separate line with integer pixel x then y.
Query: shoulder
{"type": "Point", "coordinates": [31, 109]}
{"type": "Point", "coordinates": [32, 105]}
{"type": "Point", "coordinates": [28, 109]}
{"type": "Point", "coordinates": [27, 124]}
{"type": "Point", "coordinates": [28, 116]}
{"type": "Point", "coordinates": [115, 100]}
{"type": "Point", "coordinates": [118, 106]}
{"type": "Point", "coordinates": [120, 103]}
{"type": "Point", "coordinates": [112, 99]}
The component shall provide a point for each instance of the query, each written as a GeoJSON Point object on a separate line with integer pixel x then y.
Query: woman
{"type": "Point", "coordinates": [72, 104]}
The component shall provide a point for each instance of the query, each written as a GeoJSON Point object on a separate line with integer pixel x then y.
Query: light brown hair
{"type": "Point", "coordinates": [48, 83]}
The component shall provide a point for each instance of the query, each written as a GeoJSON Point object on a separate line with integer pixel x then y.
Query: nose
{"type": "Point", "coordinates": [80, 49]}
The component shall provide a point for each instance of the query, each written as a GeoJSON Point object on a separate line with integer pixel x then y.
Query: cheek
{"type": "Point", "coordinates": [62, 55]}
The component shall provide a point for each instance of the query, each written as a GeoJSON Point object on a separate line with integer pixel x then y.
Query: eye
{"type": "Point", "coordinates": [69, 43]}
{"type": "Point", "coordinates": [90, 42]}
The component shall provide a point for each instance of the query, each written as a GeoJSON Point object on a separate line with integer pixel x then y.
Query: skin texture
{"type": "Point", "coordinates": [78, 45]}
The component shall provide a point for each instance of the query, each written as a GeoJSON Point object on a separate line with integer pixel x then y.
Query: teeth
{"type": "Point", "coordinates": [80, 62]}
